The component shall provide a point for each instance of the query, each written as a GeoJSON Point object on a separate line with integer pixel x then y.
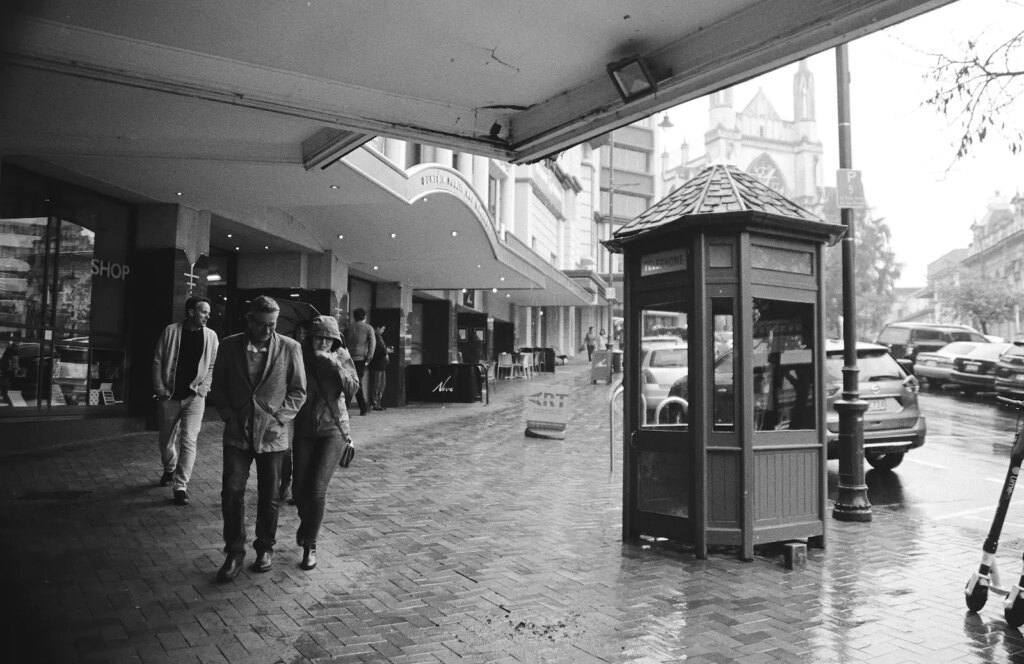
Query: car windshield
{"type": "Point", "coordinates": [1015, 351]}
{"type": "Point", "coordinates": [967, 336]}
{"type": "Point", "coordinates": [893, 335]}
{"type": "Point", "coordinates": [874, 365]}
{"type": "Point", "coordinates": [668, 357]}
{"type": "Point", "coordinates": [988, 351]}
{"type": "Point", "coordinates": [957, 348]}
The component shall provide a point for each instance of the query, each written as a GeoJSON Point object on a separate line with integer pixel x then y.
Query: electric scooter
{"type": "Point", "coordinates": [987, 576]}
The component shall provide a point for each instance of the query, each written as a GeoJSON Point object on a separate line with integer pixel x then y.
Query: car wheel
{"type": "Point", "coordinates": [934, 384]}
{"type": "Point", "coordinates": [884, 461]}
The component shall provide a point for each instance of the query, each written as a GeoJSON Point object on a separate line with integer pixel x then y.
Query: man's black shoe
{"type": "Point", "coordinates": [181, 497]}
{"type": "Point", "coordinates": [263, 562]}
{"type": "Point", "coordinates": [166, 479]}
{"type": "Point", "coordinates": [231, 567]}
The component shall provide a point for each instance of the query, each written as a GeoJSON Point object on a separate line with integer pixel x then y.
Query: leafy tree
{"type": "Point", "coordinates": [876, 272]}
{"type": "Point", "coordinates": [975, 300]}
{"type": "Point", "coordinates": [979, 85]}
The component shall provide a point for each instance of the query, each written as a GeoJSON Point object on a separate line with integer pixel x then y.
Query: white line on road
{"type": "Point", "coordinates": [926, 463]}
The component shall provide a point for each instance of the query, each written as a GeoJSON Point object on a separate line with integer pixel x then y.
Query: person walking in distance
{"type": "Point", "coordinates": [361, 342]}
{"type": "Point", "coordinates": [182, 372]}
{"type": "Point", "coordinates": [378, 368]}
{"type": "Point", "coordinates": [590, 341]}
{"type": "Point", "coordinates": [259, 384]}
{"type": "Point", "coordinates": [322, 435]}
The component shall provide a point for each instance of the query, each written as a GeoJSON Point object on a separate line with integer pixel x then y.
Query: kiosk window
{"type": "Point", "coordinates": [724, 390]}
{"type": "Point", "coordinates": [664, 366]}
{"type": "Point", "coordinates": [783, 365]}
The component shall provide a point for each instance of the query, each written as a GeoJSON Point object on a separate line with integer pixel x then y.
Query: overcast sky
{"type": "Point", "coordinates": [904, 148]}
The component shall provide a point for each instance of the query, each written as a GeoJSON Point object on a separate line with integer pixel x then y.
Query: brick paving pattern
{"type": "Point", "coordinates": [455, 538]}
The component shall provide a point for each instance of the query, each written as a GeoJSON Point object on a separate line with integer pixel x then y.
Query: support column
{"type": "Point", "coordinates": [394, 304]}
{"type": "Point", "coordinates": [481, 172]}
{"type": "Point", "coordinates": [508, 201]}
{"type": "Point", "coordinates": [394, 149]}
{"type": "Point", "coordinates": [169, 265]}
{"type": "Point", "coordinates": [443, 156]}
{"type": "Point", "coordinates": [464, 164]}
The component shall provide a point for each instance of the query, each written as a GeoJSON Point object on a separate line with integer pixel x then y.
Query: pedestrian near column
{"type": "Point", "coordinates": [259, 384]}
{"type": "Point", "coordinates": [361, 342]}
{"type": "Point", "coordinates": [322, 432]}
{"type": "Point", "coordinates": [378, 368]}
{"type": "Point", "coordinates": [182, 372]}
{"type": "Point", "coordinates": [590, 341]}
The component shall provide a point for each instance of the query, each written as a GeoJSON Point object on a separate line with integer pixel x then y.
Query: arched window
{"type": "Point", "coordinates": [767, 171]}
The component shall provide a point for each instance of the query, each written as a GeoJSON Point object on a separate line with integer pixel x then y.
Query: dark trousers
{"type": "Point", "coordinates": [360, 368]}
{"type": "Point", "coordinates": [590, 353]}
{"type": "Point", "coordinates": [237, 463]}
{"type": "Point", "coordinates": [315, 459]}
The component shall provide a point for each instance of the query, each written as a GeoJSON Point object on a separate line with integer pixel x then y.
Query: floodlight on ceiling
{"type": "Point", "coordinates": [632, 78]}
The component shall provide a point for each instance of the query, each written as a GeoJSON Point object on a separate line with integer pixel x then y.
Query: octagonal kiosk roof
{"type": "Point", "coordinates": [724, 197]}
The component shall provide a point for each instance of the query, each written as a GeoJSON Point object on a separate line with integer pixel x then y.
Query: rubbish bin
{"type": "Point", "coordinates": [616, 361]}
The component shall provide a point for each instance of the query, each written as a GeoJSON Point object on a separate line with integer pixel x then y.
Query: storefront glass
{"type": "Point", "coordinates": [63, 274]}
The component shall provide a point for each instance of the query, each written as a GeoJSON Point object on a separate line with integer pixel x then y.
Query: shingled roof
{"type": "Point", "coordinates": [717, 189]}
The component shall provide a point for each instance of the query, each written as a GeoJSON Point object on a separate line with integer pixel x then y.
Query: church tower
{"type": "Point", "coordinates": [723, 134]}
{"type": "Point", "coordinates": [808, 176]}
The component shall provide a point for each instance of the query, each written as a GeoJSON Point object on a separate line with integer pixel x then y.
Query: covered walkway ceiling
{"type": "Point", "coordinates": [516, 80]}
{"type": "Point", "coordinates": [223, 105]}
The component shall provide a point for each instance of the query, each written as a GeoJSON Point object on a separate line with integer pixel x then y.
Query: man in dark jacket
{"type": "Point", "coordinates": [259, 384]}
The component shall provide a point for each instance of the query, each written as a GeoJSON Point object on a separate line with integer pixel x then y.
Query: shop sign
{"type": "Point", "coordinates": [109, 269]}
{"type": "Point", "coordinates": [662, 262]}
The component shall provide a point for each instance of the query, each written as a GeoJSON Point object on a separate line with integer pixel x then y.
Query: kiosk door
{"type": "Point", "coordinates": [661, 449]}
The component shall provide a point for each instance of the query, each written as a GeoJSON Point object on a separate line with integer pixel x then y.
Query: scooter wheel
{"type": "Point", "coordinates": [977, 598]}
{"type": "Point", "coordinates": [1015, 614]}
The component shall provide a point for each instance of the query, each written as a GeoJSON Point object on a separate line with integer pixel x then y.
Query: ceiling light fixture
{"type": "Point", "coordinates": [177, 193]}
{"type": "Point", "coordinates": [631, 78]}
{"type": "Point", "coordinates": [334, 186]}
{"type": "Point", "coordinates": [455, 234]}
{"type": "Point", "coordinates": [213, 276]}
{"type": "Point", "coordinates": [494, 290]}
{"type": "Point", "coordinates": [341, 237]}
{"type": "Point", "coordinates": [230, 235]}
{"type": "Point", "coordinates": [394, 235]}
{"type": "Point", "coordinates": [266, 246]}
{"type": "Point", "coordinates": [376, 267]}
{"type": "Point", "coordinates": [238, 248]}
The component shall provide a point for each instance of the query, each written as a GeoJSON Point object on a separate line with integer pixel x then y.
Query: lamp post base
{"type": "Point", "coordinates": [852, 504]}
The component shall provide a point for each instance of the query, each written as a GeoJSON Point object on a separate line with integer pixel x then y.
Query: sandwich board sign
{"type": "Point", "coordinates": [547, 412]}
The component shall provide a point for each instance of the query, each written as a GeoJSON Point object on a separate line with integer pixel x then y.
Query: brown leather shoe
{"type": "Point", "coordinates": [231, 567]}
{"type": "Point", "coordinates": [263, 562]}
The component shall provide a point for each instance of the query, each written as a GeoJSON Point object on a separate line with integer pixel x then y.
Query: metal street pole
{"type": "Point", "coordinates": [611, 225]}
{"type": "Point", "coordinates": [852, 499]}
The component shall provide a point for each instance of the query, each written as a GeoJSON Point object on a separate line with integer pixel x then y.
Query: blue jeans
{"type": "Point", "coordinates": [268, 479]}
{"type": "Point", "coordinates": [314, 462]}
{"type": "Point", "coordinates": [180, 420]}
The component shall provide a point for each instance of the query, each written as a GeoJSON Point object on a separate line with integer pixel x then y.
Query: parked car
{"type": "Point", "coordinates": [906, 340]}
{"type": "Point", "coordinates": [936, 366]}
{"type": "Point", "coordinates": [660, 341]}
{"type": "Point", "coordinates": [976, 371]}
{"type": "Point", "coordinates": [1010, 372]}
{"type": "Point", "coordinates": [893, 423]}
{"type": "Point", "coordinates": [660, 367]}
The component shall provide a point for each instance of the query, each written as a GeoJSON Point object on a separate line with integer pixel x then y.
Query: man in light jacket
{"type": "Point", "coordinates": [182, 372]}
{"type": "Point", "coordinates": [361, 342]}
{"type": "Point", "coordinates": [259, 384]}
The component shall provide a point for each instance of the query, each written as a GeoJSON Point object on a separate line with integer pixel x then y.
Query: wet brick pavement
{"type": "Point", "coordinates": [454, 538]}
